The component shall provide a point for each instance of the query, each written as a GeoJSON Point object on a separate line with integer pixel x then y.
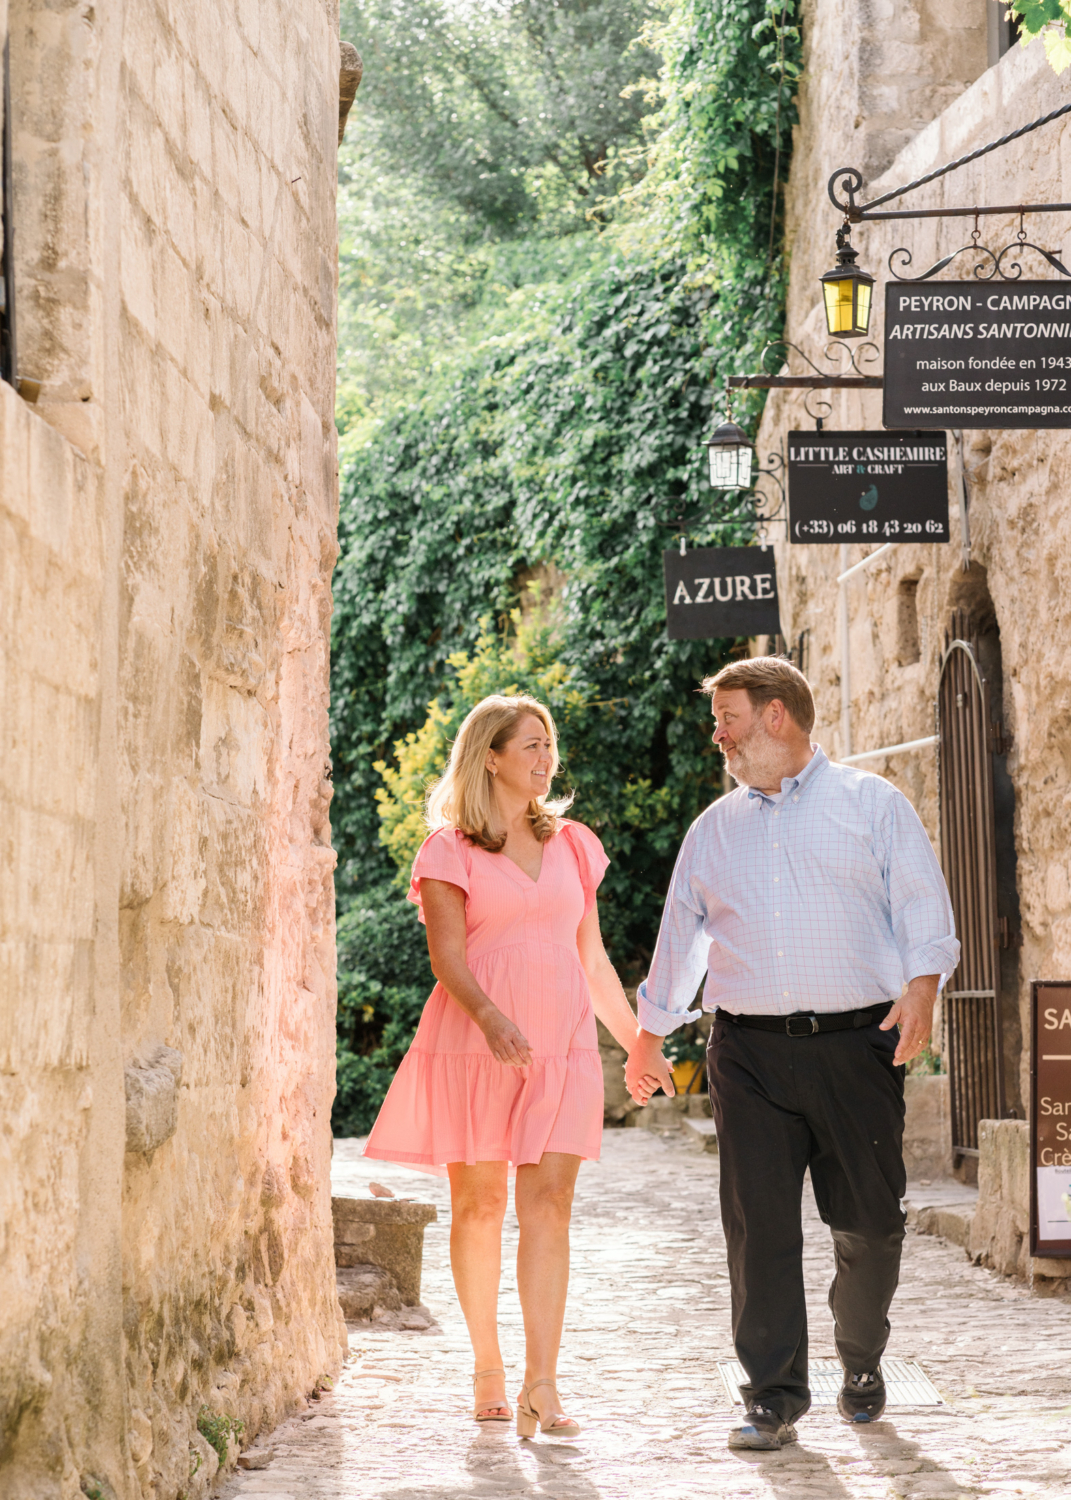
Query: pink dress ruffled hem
{"type": "Point", "coordinates": [450, 1100]}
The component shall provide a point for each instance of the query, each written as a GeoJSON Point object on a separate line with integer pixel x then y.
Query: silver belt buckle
{"type": "Point", "coordinates": [811, 1021]}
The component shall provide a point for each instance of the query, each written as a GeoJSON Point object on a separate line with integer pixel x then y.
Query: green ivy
{"type": "Point", "coordinates": [1048, 19]}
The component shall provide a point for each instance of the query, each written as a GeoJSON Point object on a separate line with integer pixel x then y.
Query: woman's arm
{"type": "Point", "coordinates": [443, 905]}
{"type": "Point", "coordinates": [612, 1008]}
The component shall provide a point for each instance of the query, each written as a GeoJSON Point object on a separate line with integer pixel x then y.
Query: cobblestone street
{"type": "Point", "coordinates": [648, 1319]}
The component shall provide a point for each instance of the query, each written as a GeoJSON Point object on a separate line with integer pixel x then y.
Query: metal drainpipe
{"type": "Point", "coordinates": [845, 659]}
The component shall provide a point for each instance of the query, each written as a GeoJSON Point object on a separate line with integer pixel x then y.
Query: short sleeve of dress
{"type": "Point", "coordinates": [590, 856]}
{"type": "Point", "coordinates": [440, 857]}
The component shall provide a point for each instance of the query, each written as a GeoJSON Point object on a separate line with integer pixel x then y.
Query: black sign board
{"type": "Point", "coordinates": [867, 486]}
{"type": "Point", "coordinates": [720, 591]}
{"type": "Point", "coordinates": [978, 354]}
{"type": "Point", "coordinates": [1050, 1119]}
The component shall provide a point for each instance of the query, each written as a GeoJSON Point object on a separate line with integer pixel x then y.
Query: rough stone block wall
{"type": "Point", "coordinates": [168, 519]}
{"type": "Point", "coordinates": [1000, 1229]}
{"type": "Point", "coordinates": [1020, 507]}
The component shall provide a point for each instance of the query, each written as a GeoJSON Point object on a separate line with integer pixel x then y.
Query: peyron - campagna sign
{"type": "Point", "coordinates": [720, 591]}
{"type": "Point", "coordinates": [978, 355]}
{"type": "Point", "coordinates": [866, 486]}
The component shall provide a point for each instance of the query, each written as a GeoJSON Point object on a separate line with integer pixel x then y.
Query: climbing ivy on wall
{"type": "Point", "coordinates": [554, 447]}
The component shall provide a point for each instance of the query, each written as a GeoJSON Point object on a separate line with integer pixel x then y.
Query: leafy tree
{"type": "Point", "coordinates": [513, 112]}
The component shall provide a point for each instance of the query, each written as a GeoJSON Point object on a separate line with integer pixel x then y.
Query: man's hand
{"type": "Point", "coordinates": [647, 1069]}
{"type": "Point", "coordinates": [913, 1013]}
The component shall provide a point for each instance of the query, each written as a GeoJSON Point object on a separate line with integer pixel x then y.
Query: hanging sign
{"type": "Point", "coordinates": [969, 354]}
{"type": "Point", "coordinates": [1050, 1119]}
{"type": "Point", "coordinates": [867, 486]}
{"type": "Point", "coordinates": [720, 591]}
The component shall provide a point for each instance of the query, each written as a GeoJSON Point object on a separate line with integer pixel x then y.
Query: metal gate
{"type": "Point", "coordinates": [968, 855]}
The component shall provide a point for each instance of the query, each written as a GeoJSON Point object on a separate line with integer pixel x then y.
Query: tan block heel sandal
{"type": "Point", "coordinates": [528, 1418]}
{"type": "Point", "coordinates": [486, 1411]}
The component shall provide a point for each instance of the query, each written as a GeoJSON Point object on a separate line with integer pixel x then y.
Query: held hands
{"type": "Point", "coordinates": [913, 1013]}
{"type": "Point", "coordinates": [505, 1040]}
{"type": "Point", "coordinates": [646, 1069]}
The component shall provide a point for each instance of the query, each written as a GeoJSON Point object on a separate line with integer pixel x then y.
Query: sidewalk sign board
{"type": "Point", "coordinates": [977, 354]}
{"type": "Point", "coordinates": [1050, 1118]}
{"type": "Point", "coordinates": [867, 487]}
{"type": "Point", "coordinates": [720, 591]}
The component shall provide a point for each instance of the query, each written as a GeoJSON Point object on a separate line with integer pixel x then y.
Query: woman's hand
{"type": "Point", "coordinates": [647, 1068]}
{"type": "Point", "coordinates": [505, 1040]}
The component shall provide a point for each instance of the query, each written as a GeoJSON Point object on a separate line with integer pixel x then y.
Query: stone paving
{"type": "Point", "coordinates": [648, 1318]}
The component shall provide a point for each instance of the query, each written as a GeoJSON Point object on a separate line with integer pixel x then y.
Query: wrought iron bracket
{"type": "Point", "coordinates": [821, 380]}
{"type": "Point", "coordinates": [849, 180]}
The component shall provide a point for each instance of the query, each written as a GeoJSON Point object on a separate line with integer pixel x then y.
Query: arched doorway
{"type": "Point", "coordinates": [978, 858]}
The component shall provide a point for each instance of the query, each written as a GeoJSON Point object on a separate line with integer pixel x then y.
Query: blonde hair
{"type": "Point", "coordinates": [463, 797]}
{"type": "Point", "coordinates": [765, 678]}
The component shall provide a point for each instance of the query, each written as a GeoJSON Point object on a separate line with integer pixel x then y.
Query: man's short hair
{"type": "Point", "coordinates": [764, 678]}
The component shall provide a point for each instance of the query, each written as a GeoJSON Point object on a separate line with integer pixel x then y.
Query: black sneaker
{"type": "Point", "coordinates": [862, 1397]}
{"type": "Point", "coordinates": [760, 1428]}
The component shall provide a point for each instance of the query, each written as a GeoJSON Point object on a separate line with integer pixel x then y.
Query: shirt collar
{"type": "Point", "coordinates": [794, 783]}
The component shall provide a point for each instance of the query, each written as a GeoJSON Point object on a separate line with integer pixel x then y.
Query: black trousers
{"type": "Point", "coordinates": [834, 1103]}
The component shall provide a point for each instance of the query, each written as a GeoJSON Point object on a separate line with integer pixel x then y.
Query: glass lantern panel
{"type": "Point", "coordinates": [862, 315]}
{"type": "Point", "coordinates": [730, 468]}
{"type": "Point", "coordinates": [838, 297]}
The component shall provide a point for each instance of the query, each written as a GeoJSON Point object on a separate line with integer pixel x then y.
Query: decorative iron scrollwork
{"type": "Point", "coordinates": [983, 270]}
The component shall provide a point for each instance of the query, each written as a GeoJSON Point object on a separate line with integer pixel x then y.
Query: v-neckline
{"type": "Point", "coordinates": [525, 873]}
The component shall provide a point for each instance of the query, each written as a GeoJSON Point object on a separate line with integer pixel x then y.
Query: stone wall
{"type": "Point", "coordinates": [1020, 495]}
{"type": "Point", "coordinates": [1000, 1230]}
{"type": "Point", "coordinates": [167, 532]}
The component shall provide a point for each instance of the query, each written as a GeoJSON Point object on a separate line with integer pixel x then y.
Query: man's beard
{"type": "Point", "coordinates": [760, 759]}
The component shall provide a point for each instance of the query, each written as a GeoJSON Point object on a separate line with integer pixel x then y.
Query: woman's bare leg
{"type": "Point", "coordinates": [478, 1207]}
{"type": "Point", "coordinates": [544, 1200]}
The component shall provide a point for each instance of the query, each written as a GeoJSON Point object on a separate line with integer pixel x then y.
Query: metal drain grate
{"type": "Point", "coordinates": [906, 1383]}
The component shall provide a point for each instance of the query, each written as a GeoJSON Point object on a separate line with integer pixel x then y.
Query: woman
{"type": "Point", "coordinates": [504, 1069]}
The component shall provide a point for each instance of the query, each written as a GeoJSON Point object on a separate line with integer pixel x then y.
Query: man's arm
{"type": "Point", "coordinates": [678, 965]}
{"type": "Point", "coordinates": [922, 922]}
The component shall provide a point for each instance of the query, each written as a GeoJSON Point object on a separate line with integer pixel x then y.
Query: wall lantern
{"type": "Point", "coordinates": [730, 458]}
{"type": "Point", "coordinates": [846, 290]}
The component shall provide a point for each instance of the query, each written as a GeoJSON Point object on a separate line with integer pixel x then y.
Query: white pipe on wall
{"type": "Point", "coordinates": [851, 760]}
{"type": "Point", "coordinates": [845, 658]}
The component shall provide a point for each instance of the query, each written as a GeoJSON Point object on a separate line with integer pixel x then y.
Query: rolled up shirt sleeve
{"type": "Point", "coordinates": [920, 910]}
{"type": "Point", "coordinates": [680, 957]}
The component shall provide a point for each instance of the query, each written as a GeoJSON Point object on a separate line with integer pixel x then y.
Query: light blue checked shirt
{"type": "Point", "coordinates": [827, 897]}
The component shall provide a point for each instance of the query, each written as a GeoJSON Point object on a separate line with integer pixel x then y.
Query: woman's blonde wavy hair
{"type": "Point", "coordinates": [463, 797]}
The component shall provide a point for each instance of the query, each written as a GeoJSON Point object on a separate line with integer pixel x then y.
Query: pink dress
{"type": "Point", "coordinates": [450, 1100]}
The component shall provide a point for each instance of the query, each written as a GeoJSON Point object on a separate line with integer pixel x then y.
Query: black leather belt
{"type": "Point", "coordinates": [804, 1024]}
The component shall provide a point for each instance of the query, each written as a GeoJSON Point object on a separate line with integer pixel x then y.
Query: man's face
{"type": "Point", "coordinates": [752, 754]}
{"type": "Point", "coordinates": [734, 720]}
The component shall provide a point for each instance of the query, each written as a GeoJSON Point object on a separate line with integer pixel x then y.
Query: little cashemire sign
{"type": "Point", "coordinates": [867, 486]}
{"type": "Point", "coordinates": [967, 354]}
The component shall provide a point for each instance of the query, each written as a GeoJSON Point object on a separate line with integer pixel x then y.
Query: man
{"type": "Point", "coordinates": [812, 898]}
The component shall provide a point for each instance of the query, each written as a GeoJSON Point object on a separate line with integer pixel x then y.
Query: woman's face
{"type": "Point", "coordinates": [522, 766]}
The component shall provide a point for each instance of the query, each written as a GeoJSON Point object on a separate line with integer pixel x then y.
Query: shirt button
{"type": "Point", "coordinates": [777, 913]}
{"type": "Point", "coordinates": [776, 879]}
{"type": "Point", "coordinates": [795, 799]}
{"type": "Point", "coordinates": [785, 993]}
{"type": "Point", "coordinates": [777, 846]}
{"type": "Point", "coordinates": [777, 812]}
{"type": "Point", "coordinates": [780, 954]}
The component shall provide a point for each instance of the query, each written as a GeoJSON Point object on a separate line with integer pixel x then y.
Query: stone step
{"type": "Point", "coordinates": [701, 1134]}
